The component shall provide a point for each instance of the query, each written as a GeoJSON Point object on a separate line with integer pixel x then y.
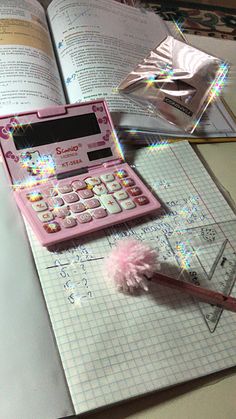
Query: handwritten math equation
{"type": "Point", "coordinates": [183, 233]}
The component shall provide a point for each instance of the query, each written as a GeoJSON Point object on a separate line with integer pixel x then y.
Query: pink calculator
{"type": "Point", "coordinates": [68, 173]}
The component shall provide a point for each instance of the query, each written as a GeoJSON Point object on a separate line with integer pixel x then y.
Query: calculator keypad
{"type": "Point", "coordinates": [71, 204]}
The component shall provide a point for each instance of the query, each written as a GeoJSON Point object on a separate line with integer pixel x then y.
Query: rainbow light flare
{"type": "Point", "coordinates": [27, 182]}
{"type": "Point", "coordinates": [164, 75]}
{"type": "Point", "coordinates": [159, 145]}
{"type": "Point", "coordinates": [185, 256]}
{"type": "Point", "coordinates": [218, 83]}
{"type": "Point", "coordinates": [215, 88]}
{"type": "Point", "coordinates": [152, 145]}
{"type": "Point", "coordinates": [117, 144]}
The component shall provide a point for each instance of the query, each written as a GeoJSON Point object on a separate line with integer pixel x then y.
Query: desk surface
{"type": "Point", "coordinates": [31, 377]}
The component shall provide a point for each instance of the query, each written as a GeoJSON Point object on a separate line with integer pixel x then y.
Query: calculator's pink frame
{"type": "Point", "coordinates": [108, 165]}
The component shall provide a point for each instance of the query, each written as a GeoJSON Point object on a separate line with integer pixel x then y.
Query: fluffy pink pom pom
{"type": "Point", "coordinates": [130, 263]}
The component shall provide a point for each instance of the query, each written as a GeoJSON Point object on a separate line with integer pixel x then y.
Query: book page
{"type": "Point", "coordinates": [116, 346]}
{"type": "Point", "coordinates": [99, 43]}
{"type": "Point", "coordinates": [29, 78]}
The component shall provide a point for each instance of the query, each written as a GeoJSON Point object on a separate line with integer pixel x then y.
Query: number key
{"type": "Point", "coordinates": [78, 185]}
{"type": "Point", "coordinates": [50, 192]}
{"type": "Point", "coordinates": [61, 212]}
{"type": "Point", "coordinates": [65, 189]}
{"type": "Point", "coordinates": [69, 222]}
{"type": "Point", "coordinates": [92, 203]}
{"type": "Point", "coordinates": [56, 202]}
{"type": "Point", "coordinates": [86, 193]}
{"type": "Point", "coordinates": [84, 218]}
{"type": "Point", "coordinates": [71, 197]}
{"type": "Point", "coordinates": [79, 207]}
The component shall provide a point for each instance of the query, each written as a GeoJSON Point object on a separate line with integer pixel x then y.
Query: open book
{"type": "Point", "coordinates": [80, 51]}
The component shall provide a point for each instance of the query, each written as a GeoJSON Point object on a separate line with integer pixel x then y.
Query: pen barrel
{"type": "Point", "coordinates": [204, 294]}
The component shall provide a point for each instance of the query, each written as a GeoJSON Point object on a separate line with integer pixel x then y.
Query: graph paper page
{"type": "Point", "coordinates": [115, 346]}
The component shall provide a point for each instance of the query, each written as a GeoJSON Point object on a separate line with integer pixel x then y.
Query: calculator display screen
{"type": "Point", "coordinates": [54, 131]}
{"type": "Point", "coordinates": [99, 154]}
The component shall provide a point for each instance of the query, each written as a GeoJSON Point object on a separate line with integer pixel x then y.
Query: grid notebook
{"type": "Point", "coordinates": [115, 346]}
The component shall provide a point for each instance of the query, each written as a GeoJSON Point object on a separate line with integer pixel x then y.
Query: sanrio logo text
{"type": "Point", "coordinates": [72, 149]}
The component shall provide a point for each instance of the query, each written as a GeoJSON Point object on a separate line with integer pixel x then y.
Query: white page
{"type": "Point", "coordinates": [29, 78]}
{"type": "Point", "coordinates": [32, 381]}
{"type": "Point", "coordinates": [115, 346]}
{"type": "Point", "coordinates": [99, 43]}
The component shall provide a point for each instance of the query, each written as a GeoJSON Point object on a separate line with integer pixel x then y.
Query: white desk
{"type": "Point", "coordinates": [32, 384]}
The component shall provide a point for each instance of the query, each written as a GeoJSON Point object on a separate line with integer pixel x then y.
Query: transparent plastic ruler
{"type": "Point", "coordinates": [207, 257]}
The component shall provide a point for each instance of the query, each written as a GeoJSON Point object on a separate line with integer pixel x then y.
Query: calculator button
{"type": "Point", "coordinates": [121, 195]}
{"type": "Point", "coordinates": [65, 189]}
{"type": "Point", "coordinates": [121, 173]}
{"type": "Point", "coordinates": [110, 204]}
{"type": "Point", "coordinates": [40, 206]}
{"type": "Point", "coordinates": [127, 182]}
{"type": "Point", "coordinates": [93, 181]}
{"type": "Point", "coordinates": [45, 216]}
{"type": "Point", "coordinates": [87, 193]}
{"type": "Point", "coordinates": [100, 189]}
{"type": "Point", "coordinates": [113, 186]}
{"type": "Point", "coordinates": [56, 202]}
{"type": "Point", "coordinates": [135, 191]}
{"type": "Point", "coordinates": [78, 207]}
{"type": "Point", "coordinates": [93, 203]}
{"type": "Point", "coordinates": [77, 185]}
{"type": "Point", "coordinates": [61, 212]}
{"type": "Point", "coordinates": [69, 222]}
{"type": "Point", "coordinates": [84, 218]}
{"type": "Point", "coordinates": [141, 200]}
{"type": "Point", "coordinates": [108, 177]}
{"type": "Point", "coordinates": [71, 197]}
{"type": "Point", "coordinates": [50, 192]}
{"type": "Point", "coordinates": [53, 227]}
{"type": "Point", "coordinates": [128, 204]}
{"type": "Point", "coordinates": [34, 196]}
{"type": "Point", "coordinates": [99, 213]}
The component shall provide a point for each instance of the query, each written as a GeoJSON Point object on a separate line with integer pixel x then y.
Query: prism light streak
{"type": "Point", "coordinates": [184, 255]}
{"type": "Point", "coordinates": [215, 88]}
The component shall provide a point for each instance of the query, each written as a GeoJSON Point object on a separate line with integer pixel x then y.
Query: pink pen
{"type": "Point", "coordinates": [204, 294]}
{"type": "Point", "coordinates": [133, 263]}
